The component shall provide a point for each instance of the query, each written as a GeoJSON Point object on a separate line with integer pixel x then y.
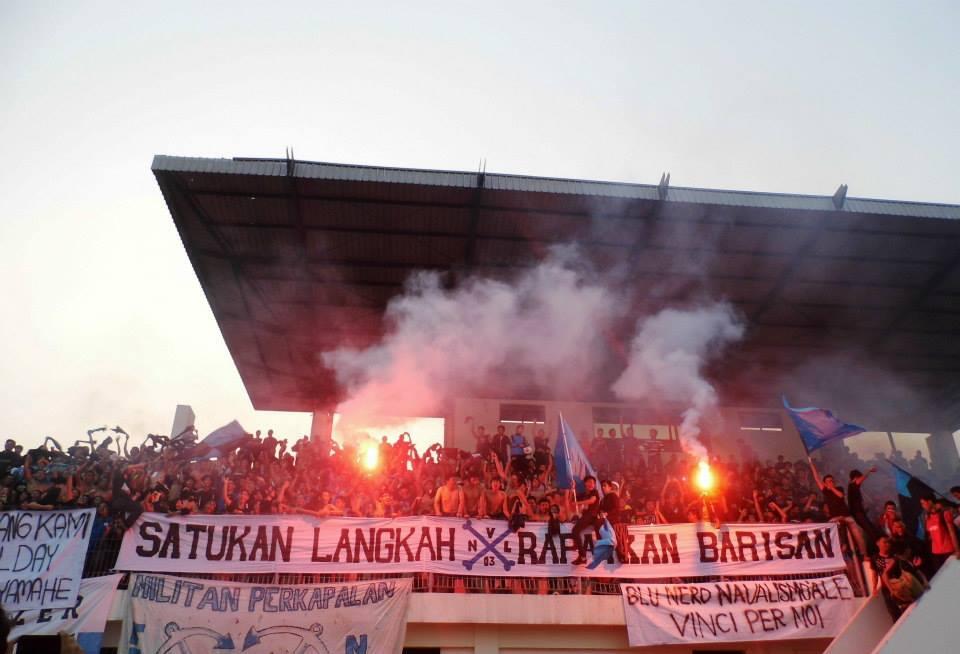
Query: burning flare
{"type": "Point", "coordinates": [370, 457]}
{"type": "Point", "coordinates": [704, 477]}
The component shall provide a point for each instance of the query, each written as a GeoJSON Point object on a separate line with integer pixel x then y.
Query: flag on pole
{"type": "Point", "coordinates": [818, 427]}
{"type": "Point", "coordinates": [909, 491]}
{"type": "Point", "coordinates": [569, 458]}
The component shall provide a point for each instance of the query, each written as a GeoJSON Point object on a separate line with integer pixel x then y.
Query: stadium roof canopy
{"type": "Point", "coordinates": [298, 257]}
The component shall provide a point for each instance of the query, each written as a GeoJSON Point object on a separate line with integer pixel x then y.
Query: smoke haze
{"type": "Point", "coordinates": [547, 331]}
{"type": "Point", "coordinates": [667, 358]}
{"type": "Point", "coordinates": [544, 330]}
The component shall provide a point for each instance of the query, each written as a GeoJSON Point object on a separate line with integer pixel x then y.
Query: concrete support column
{"type": "Point", "coordinates": [944, 459]}
{"type": "Point", "coordinates": [321, 428]}
{"type": "Point", "coordinates": [486, 640]}
{"type": "Point", "coordinates": [449, 427]}
{"type": "Point", "coordinates": [184, 417]}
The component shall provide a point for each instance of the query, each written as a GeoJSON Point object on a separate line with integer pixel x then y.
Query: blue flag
{"type": "Point", "coordinates": [818, 427]}
{"type": "Point", "coordinates": [569, 458]}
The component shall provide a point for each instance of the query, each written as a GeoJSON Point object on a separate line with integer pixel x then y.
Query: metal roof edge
{"type": "Point", "coordinates": [556, 185]}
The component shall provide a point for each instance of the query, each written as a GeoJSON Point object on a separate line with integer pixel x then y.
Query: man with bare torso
{"type": "Point", "coordinates": [449, 499]}
{"type": "Point", "coordinates": [472, 493]}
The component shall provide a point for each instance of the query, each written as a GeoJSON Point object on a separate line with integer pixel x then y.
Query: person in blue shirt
{"type": "Point", "coordinates": [519, 451]}
{"type": "Point", "coordinates": [517, 443]}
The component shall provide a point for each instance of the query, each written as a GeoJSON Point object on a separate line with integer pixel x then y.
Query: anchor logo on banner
{"type": "Point", "coordinates": [296, 640]}
{"type": "Point", "coordinates": [489, 546]}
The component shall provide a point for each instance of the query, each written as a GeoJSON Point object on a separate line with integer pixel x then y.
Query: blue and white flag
{"type": "Point", "coordinates": [569, 458]}
{"type": "Point", "coordinates": [223, 440]}
{"type": "Point", "coordinates": [818, 427]}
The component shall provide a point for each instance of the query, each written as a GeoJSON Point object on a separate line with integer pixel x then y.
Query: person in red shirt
{"type": "Point", "coordinates": [941, 535]}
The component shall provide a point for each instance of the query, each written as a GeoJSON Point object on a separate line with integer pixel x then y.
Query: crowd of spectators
{"type": "Point", "coordinates": [508, 476]}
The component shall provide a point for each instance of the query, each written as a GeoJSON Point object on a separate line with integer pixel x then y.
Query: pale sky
{"type": "Point", "coordinates": [104, 319]}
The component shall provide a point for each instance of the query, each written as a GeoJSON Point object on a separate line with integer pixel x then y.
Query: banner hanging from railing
{"type": "Point", "coordinates": [85, 621]}
{"type": "Point", "coordinates": [284, 543]}
{"type": "Point", "coordinates": [41, 557]}
{"type": "Point", "coordinates": [200, 616]}
{"type": "Point", "coordinates": [669, 614]}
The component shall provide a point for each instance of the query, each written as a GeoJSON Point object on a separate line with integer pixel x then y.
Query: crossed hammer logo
{"type": "Point", "coordinates": [488, 546]}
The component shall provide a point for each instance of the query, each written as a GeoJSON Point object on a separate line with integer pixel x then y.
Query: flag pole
{"type": "Point", "coordinates": [566, 451]}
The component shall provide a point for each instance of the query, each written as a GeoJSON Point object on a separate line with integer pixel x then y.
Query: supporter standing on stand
{"type": "Point", "coordinates": [541, 511]}
{"type": "Point", "coordinates": [541, 450]}
{"type": "Point", "coordinates": [598, 450]}
{"type": "Point", "coordinates": [481, 437]}
{"type": "Point", "coordinates": [905, 545]}
{"type": "Point", "coordinates": [612, 507]}
{"type": "Point", "coordinates": [837, 506]}
{"type": "Point", "coordinates": [493, 502]}
{"type": "Point", "coordinates": [654, 450]}
{"type": "Point", "coordinates": [670, 509]}
{"type": "Point", "coordinates": [472, 493]}
{"type": "Point", "coordinates": [940, 534]}
{"type": "Point", "coordinates": [855, 501]}
{"type": "Point", "coordinates": [9, 458]}
{"type": "Point", "coordinates": [385, 451]}
{"type": "Point", "coordinates": [501, 445]}
{"type": "Point", "coordinates": [518, 445]}
{"type": "Point", "coordinates": [589, 506]}
{"type": "Point", "coordinates": [896, 579]}
{"type": "Point", "coordinates": [888, 517]}
{"type": "Point", "coordinates": [631, 447]}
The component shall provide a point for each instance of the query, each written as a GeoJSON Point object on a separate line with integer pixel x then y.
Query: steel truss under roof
{"type": "Point", "coordinates": [298, 257]}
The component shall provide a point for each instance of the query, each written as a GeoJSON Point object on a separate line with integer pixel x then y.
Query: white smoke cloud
{"type": "Point", "coordinates": [667, 358]}
{"type": "Point", "coordinates": [544, 330]}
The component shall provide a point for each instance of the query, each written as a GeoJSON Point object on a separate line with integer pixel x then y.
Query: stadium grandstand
{"type": "Point", "coordinates": [846, 303]}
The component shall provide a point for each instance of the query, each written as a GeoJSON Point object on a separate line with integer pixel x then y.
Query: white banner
{"type": "Point", "coordinates": [667, 614]}
{"type": "Point", "coordinates": [41, 557]}
{"type": "Point", "coordinates": [171, 615]}
{"type": "Point", "coordinates": [86, 620]}
{"type": "Point", "coordinates": [284, 543]}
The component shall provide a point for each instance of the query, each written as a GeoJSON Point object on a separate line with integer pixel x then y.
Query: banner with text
{"type": "Point", "coordinates": [285, 543]}
{"type": "Point", "coordinates": [667, 614]}
{"type": "Point", "coordinates": [41, 557]}
{"type": "Point", "coordinates": [86, 620]}
{"type": "Point", "coordinates": [199, 616]}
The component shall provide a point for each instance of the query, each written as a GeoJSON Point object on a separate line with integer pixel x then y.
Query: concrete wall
{"type": "Point", "coordinates": [930, 626]}
{"type": "Point", "coordinates": [526, 624]}
{"type": "Point", "coordinates": [865, 629]}
{"type": "Point", "coordinates": [944, 458]}
{"type": "Point", "coordinates": [321, 426]}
